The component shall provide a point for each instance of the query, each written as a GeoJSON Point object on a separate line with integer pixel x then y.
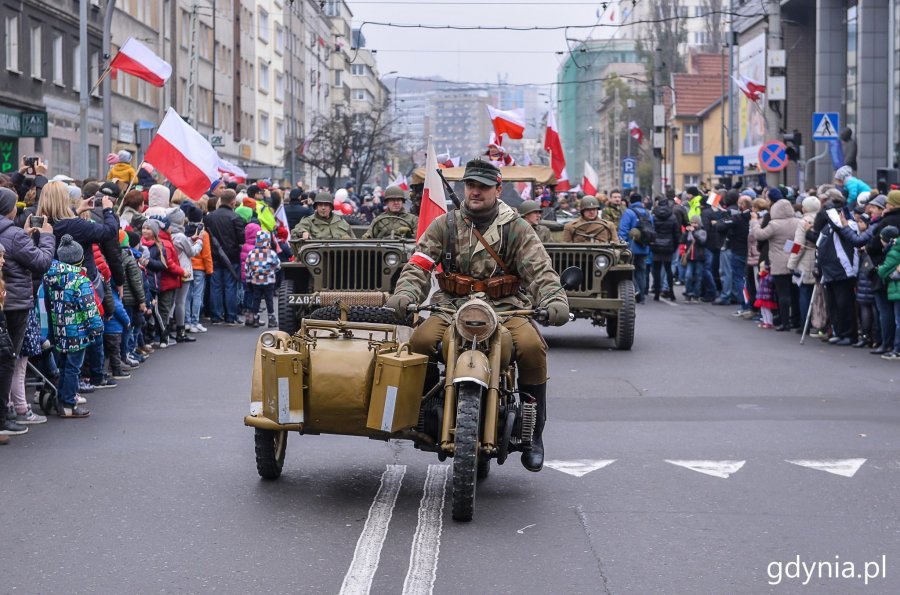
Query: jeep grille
{"type": "Point", "coordinates": [564, 259]}
{"type": "Point", "coordinates": [351, 269]}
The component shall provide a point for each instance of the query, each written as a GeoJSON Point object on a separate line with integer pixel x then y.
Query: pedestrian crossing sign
{"type": "Point", "coordinates": [825, 125]}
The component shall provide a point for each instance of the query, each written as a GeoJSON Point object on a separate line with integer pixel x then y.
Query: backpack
{"type": "Point", "coordinates": [645, 227]}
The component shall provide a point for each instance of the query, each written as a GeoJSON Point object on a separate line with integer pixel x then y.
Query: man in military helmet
{"type": "Point", "coordinates": [530, 211]}
{"type": "Point", "coordinates": [521, 261]}
{"type": "Point", "coordinates": [324, 224]}
{"type": "Point", "coordinates": [589, 228]}
{"type": "Point", "coordinates": [395, 222]}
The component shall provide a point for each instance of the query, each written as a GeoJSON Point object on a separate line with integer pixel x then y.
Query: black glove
{"type": "Point", "coordinates": [399, 303]}
{"type": "Point", "coordinates": [558, 313]}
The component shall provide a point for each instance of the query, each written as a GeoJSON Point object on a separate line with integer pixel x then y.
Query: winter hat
{"type": "Point", "coordinates": [295, 195]}
{"type": "Point", "coordinates": [74, 192]}
{"type": "Point", "coordinates": [749, 192]}
{"type": "Point", "coordinates": [893, 199]}
{"type": "Point", "coordinates": [134, 238]}
{"type": "Point", "coordinates": [158, 196]}
{"type": "Point", "coordinates": [124, 156]}
{"type": "Point", "coordinates": [775, 194]}
{"type": "Point", "coordinates": [147, 168]}
{"type": "Point", "coordinates": [110, 189]}
{"type": "Point", "coordinates": [192, 212]}
{"type": "Point", "coordinates": [843, 173]}
{"type": "Point", "coordinates": [635, 198]}
{"type": "Point", "coordinates": [245, 213]}
{"type": "Point", "coordinates": [693, 191]}
{"type": "Point", "coordinates": [8, 200]}
{"type": "Point", "coordinates": [695, 220]}
{"type": "Point", "coordinates": [879, 201]}
{"type": "Point", "coordinates": [252, 190]}
{"type": "Point", "coordinates": [90, 189]}
{"type": "Point", "coordinates": [889, 232]}
{"type": "Point", "coordinates": [811, 204]}
{"type": "Point", "coordinates": [69, 251]}
{"type": "Point", "coordinates": [249, 202]}
{"type": "Point", "coordinates": [153, 225]}
{"type": "Point", "coordinates": [112, 159]}
{"type": "Point", "coordinates": [176, 219]}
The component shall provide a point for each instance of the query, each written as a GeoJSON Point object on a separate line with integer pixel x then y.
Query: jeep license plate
{"type": "Point", "coordinates": [298, 299]}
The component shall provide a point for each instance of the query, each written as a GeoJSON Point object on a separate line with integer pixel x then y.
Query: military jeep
{"type": "Point", "coordinates": [355, 272]}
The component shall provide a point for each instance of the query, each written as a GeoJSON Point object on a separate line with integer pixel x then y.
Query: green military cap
{"type": "Point", "coordinates": [324, 198]}
{"type": "Point", "coordinates": [528, 206]}
{"type": "Point", "coordinates": [394, 192]}
{"type": "Point", "coordinates": [482, 171]}
{"type": "Point", "coordinates": [589, 202]}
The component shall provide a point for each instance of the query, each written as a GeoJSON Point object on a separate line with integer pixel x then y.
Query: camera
{"type": "Point", "coordinates": [199, 228]}
{"type": "Point", "coordinates": [98, 200]}
{"type": "Point", "coordinates": [31, 161]}
{"type": "Point", "coordinates": [36, 221]}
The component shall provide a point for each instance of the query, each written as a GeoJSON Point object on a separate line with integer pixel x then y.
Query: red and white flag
{"type": "Point", "coordinates": [635, 131]}
{"type": "Point", "coordinates": [434, 200]}
{"type": "Point", "coordinates": [713, 199]}
{"type": "Point", "coordinates": [508, 122]}
{"type": "Point", "coordinates": [553, 145]}
{"type": "Point", "coordinates": [400, 182]}
{"type": "Point", "coordinates": [233, 171]}
{"type": "Point", "coordinates": [182, 155]}
{"type": "Point", "coordinates": [591, 180]}
{"type": "Point", "coordinates": [137, 59]}
{"type": "Point", "coordinates": [749, 87]}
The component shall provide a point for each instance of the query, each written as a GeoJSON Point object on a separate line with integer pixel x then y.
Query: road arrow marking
{"type": "Point", "coordinates": [579, 467]}
{"type": "Point", "coordinates": [721, 469]}
{"type": "Point", "coordinates": [842, 467]}
{"type": "Point", "coordinates": [426, 545]}
{"type": "Point", "coordinates": [358, 579]}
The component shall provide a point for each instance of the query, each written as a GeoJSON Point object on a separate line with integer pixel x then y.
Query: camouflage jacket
{"type": "Point", "coordinates": [543, 233]}
{"type": "Point", "coordinates": [333, 228]}
{"type": "Point", "coordinates": [402, 225]}
{"type": "Point", "coordinates": [596, 231]}
{"type": "Point", "coordinates": [524, 254]}
{"type": "Point", "coordinates": [613, 214]}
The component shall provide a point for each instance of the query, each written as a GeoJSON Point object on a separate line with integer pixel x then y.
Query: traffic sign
{"type": "Point", "coordinates": [773, 156]}
{"type": "Point", "coordinates": [629, 168]}
{"type": "Point", "coordinates": [729, 165]}
{"type": "Point", "coordinates": [825, 125]}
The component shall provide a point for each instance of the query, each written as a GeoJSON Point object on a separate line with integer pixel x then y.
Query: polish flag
{"type": "Point", "coordinates": [713, 199]}
{"type": "Point", "coordinates": [591, 180]}
{"type": "Point", "coordinates": [236, 173]}
{"type": "Point", "coordinates": [182, 155]}
{"type": "Point", "coordinates": [749, 87]}
{"type": "Point", "coordinates": [434, 201]}
{"type": "Point", "coordinates": [137, 59]}
{"type": "Point", "coordinates": [510, 122]}
{"type": "Point", "coordinates": [553, 145]}
{"type": "Point", "coordinates": [635, 131]}
{"type": "Point", "coordinates": [401, 182]}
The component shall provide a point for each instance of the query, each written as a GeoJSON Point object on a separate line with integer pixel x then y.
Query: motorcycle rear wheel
{"type": "Point", "coordinates": [465, 455]}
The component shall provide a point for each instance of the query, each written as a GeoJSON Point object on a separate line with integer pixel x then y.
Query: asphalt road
{"type": "Point", "coordinates": [157, 491]}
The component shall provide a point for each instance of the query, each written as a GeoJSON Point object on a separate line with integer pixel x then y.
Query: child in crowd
{"type": "Point", "coordinates": [694, 238]}
{"type": "Point", "coordinates": [765, 298]}
{"type": "Point", "coordinates": [889, 271]}
{"type": "Point", "coordinates": [113, 328]}
{"type": "Point", "coordinates": [261, 266]}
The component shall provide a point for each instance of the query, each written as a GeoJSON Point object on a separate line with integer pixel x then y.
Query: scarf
{"type": "Point", "coordinates": [483, 219]}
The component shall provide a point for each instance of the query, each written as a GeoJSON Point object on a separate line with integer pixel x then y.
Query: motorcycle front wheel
{"type": "Point", "coordinates": [465, 454]}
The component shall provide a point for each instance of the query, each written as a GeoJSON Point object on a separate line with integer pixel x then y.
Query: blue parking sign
{"type": "Point", "coordinates": [629, 172]}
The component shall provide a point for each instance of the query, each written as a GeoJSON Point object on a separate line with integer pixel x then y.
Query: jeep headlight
{"type": "Point", "coordinates": [312, 258]}
{"type": "Point", "coordinates": [392, 259]}
{"type": "Point", "coordinates": [267, 340]}
{"type": "Point", "coordinates": [601, 263]}
{"type": "Point", "coordinates": [476, 321]}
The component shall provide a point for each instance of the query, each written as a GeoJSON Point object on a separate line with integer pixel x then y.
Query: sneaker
{"type": "Point", "coordinates": [30, 418]}
{"type": "Point", "coordinates": [215, 322]}
{"type": "Point", "coordinates": [200, 328]}
{"type": "Point", "coordinates": [11, 428]}
{"type": "Point", "coordinates": [146, 350]}
{"type": "Point", "coordinates": [737, 313]}
{"type": "Point", "coordinates": [132, 363]}
{"type": "Point", "coordinates": [85, 387]}
{"type": "Point", "coordinates": [70, 412]}
{"type": "Point", "coordinates": [162, 345]}
{"type": "Point", "coordinates": [234, 323]}
{"type": "Point", "coordinates": [121, 375]}
{"type": "Point", "coordinates": [273, 323]}
{"type": "Point", "coordinates": [190, 328]}
{"type": "Point", "coordinates": [107, 383]}
{"type": "Point", "coordinates": [79, 400]}
{"type": "Point", "coordinates": [765, 325]}
{"type": "Point", "coordinates": [891, 355]}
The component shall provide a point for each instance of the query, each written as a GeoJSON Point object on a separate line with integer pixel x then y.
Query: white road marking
{"type": "Point", "coordinates": [842, 467]}
{"type": "Point", "coordinates": [721, 469]}
{"type": "Point", "coordinates": [426, 545]}
{"type": "Point", "coordinates": [522, 530]}
{"type": "Point", "coordinates": [579, 467]}
{"type": "Point", "coordinates": [670, 303]}
{"type": "Point", "coordinates": [358, 579]}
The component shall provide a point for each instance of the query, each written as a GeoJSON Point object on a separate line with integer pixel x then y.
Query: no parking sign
{"type": "Point", "coordinates": [773, 156]}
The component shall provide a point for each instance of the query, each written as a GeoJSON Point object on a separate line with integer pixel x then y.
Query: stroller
{"type": "Point", "coordinates": [44, 387]}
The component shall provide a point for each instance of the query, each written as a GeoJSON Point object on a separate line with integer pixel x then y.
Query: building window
{"type": "Point", "coordinates": [185, 29]}
{"type": "Point", "coordinates": [337, 77]}
{"type": "Point", "coordinates": [263, 127]}
{"type": "Point", "coordinates": [691, 141]}
{"type": "Point", "coordinates": [359, 94]}
{"type": "Point", "coordinates": [58, 59]}
{"type": "Point", "coordinates": [358, 69]}
{"type": "Point", "coordinates": [263, 77]}
{"type": "Point", "coordinates": [12, 43]}
{"type": "Point", "coordinates": [76, 68]}
{"type": "Point", "coordinates": [691, 180]}
{"type": "Point", "coordinates": [94, 161]}
{"type": "Point", "coordinates": [262, 29]}
{"type": "Point", "coordinates": [279, 86]}
{"type": "Point", "coordinates": [279, 133]}
{"type": "Point", "coordinates": [36, 66]}
{"type": "Point", "coordinates": [279, 38]}
{"type": "Point", "coordinates": [95, 71]}
{"type": "Point", "coordinates": [61, 153]}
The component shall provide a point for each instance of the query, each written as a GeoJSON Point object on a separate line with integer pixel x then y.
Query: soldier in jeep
{"type": "Point", "coordinates": [589, 228]}
{"type": "Point", "coordinates": [324, 224]}
{"type": "Point", "coordinates": [395, 222]}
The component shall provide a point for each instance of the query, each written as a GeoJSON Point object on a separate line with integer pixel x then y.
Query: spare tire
{"type": "Point", "coordinates": [359, 314]}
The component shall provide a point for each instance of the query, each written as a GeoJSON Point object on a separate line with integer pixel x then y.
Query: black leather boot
{"type": "Point", "coordinates": [533, 459]}
{"type": "Point", "coordinates": [182, 337]}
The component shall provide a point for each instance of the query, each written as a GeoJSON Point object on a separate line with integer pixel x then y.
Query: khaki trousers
{"type": "Point", "coordinates": [531, 353]}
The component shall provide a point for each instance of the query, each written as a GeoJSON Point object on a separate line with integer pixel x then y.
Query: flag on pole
{"type": "Point", "coordinates": [508, 122]}
{"type": "Point", "coordinates": [553, 145]}
{"type": "Point", "coordinates": [749, 87]}
{"type": "Point", "coordinates": [434, 201]}
{"type": "Point", "coordinates": [635, 131]}
{"type": "Point", "coordinates": [182, 155]}
{"type": "Point", "coordinates": [236, 173]}
{"type": "Point", "coordinates": [713, 199]}
{"type": "Point", "coordinates": [137, 59]}
{"type": "Point", "coordinates": [400, 182]}
{"type": "Point", "coordinates": [591, 181]}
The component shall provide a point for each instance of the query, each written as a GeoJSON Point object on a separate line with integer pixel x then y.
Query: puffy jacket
{"type": "Point", "coordinates": [837, 258]}
{"type": "Point", "coordinates": [804, 261]}
{"type": "Point", "coordinates": [695, 242]}
{"type": "Point", "coordinates": [710, 218]}
{"type": "Point", "coordinates": [24, 261]}
{"type": "Point", "coordinates": [778, 232]}
{"type": "Point", "coordinates": [133, 290]}
{"type": "Point", "coordinates": [87, 233]}
{"type": "Point", "coordinates": [187, 249]}
{"type": "Point", "coordinates": [111, 252]}
{"type": "Point", "coordinates": [119, 321]}
{"type": "Point", "coordinates": [875, 249]}
{"type": "Point", "coordinates": [227, 228]}
{"type": "Point", "coordinates": [739, 232]}
{"type": "Point", "coordinates": [123, 172]}
{"type": "Point", "coordinates": [629, 221]}
{"type": "Point", "coordinates": [668, 232]}
{"type": "Point", "coordinates": [204, 260]}
{"type": "Point", "coordinates": [854, 186]}
{"type": "Point", "coordinates": [72, 306]}
{"type": "Point", "coordinates": [172, 275]}
{"type": "Point", "coordinates": [155, 265]}
{"type": "Point", "coordinates": [890, 264]}
{"type": "Point", "coordinates": [249, 244]}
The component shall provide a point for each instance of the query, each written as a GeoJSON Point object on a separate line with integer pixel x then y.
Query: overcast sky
{"type": "Point", "coordinates": [473, 56]}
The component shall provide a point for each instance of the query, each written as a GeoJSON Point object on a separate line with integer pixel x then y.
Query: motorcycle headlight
{"type": "Point", "coordinates": [601, 263]}
{"type": "Point", "coordinates": [312, 258]}
{"type": "Point", "coordinates": [476, 321]}
{"type": "Point", "coordinates": [391, 259]}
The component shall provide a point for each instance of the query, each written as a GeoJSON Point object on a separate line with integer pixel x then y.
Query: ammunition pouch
{"type": "Point", "coordinates": [462, 285]}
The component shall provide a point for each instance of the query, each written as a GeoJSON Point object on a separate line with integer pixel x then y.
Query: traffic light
{"type": "Point", "coordinates": [886, 177]}
{"type": "Point", "coordinates": [793, 140]}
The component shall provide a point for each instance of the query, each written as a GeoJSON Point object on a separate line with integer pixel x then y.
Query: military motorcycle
{"type": "Point", "coordinates": [354, 375]}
